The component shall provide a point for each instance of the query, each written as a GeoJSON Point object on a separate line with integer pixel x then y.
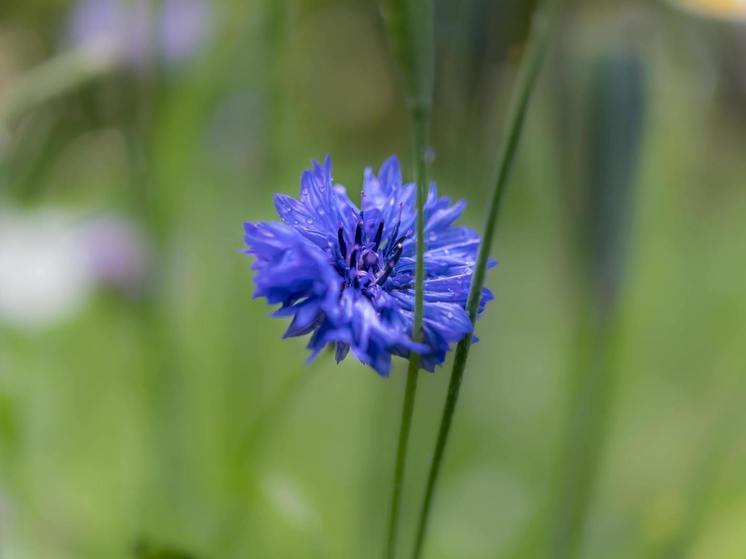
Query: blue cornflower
{"type": "Point", "coordinates": [346, 275]}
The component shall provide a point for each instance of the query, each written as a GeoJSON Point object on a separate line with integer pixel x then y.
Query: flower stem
{"type": "Point", "coordinates": [410, 30]}
{"type": "Point", "coordinates": [401, 458]}
{"type": "Point", "coordinates": [420, 122]}
{"type": "Point", "coordinates": [534, 57]}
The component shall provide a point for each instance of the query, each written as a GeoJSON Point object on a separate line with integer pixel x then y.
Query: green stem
{"type": "Point", "coordinates": [401, 457]}
{"type": "Point", "coordinates": [538, 42]}
{"type": "Point", "coordinates": [420, 122]}
{"type": "Point", "coordinates": [410, 26]}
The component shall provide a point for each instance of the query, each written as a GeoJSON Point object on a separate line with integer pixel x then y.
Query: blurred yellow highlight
{"type": "Point", "coordinates": [723, 9]}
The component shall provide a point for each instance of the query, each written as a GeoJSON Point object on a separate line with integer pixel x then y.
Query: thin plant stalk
{"type": "Point", "coordinates": [420, 127]}
{"type": "Point", "coordinates": [529, 71]}
{"type": "Point", "coordinates": [410, 30]}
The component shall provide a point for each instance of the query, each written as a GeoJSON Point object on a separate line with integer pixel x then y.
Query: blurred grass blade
{"type": "Point", "coordinates": [55, 77]}
{"type": "Point", "coordinates": [611, 140]}
{"type": "Point", "coordinates": [591, 391]}
{"type": "Point", "coordinates": [614, 132]}
{"type": "Point", "coordinates": [410, 25]}
{"type": "Point", "coordinates": [532, 62]}
{"type": "Point", "coordinates": [410, 28]}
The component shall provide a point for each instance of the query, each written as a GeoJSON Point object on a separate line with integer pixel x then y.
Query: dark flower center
{"type": "Point", "coordinates": [368, 263]}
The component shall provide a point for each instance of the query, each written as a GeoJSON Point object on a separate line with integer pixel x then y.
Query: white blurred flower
{"type": "Point", "coordinates": [50, 262]}
{"type": "Point", "coordinates": [43, 273]}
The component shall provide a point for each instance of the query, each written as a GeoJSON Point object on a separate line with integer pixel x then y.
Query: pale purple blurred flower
{"type": "Point", "coordinates": [185, 25]}
{"type": "Point", "coordinates": [142, 31]}
{"type": "Point", "coordinates": [123, 26]}
{"type": "Point", "coordinates": [117, 253]}
{"type": "Point", "coordinates": [43, 275]}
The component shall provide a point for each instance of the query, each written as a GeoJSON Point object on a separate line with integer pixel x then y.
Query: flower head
{"type": "Point", "coordinates": [346, 275]}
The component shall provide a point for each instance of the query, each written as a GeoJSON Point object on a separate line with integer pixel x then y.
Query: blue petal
{"type": "Point", "coordinates": [385, 194]}
{"type": "Point", "coordinates": [322, 208]}
{"type": "Point", "coordinates": [442, 217]}
{"type": "Point", "coordinates": [291, 271]}
{"type": "Point", "coordinates": [303, 219]}
{"type": "Point", "coordinates": [379, 190]}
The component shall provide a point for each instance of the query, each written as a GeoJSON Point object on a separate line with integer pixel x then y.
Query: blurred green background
{"type": "Point", "coordinates": [149, 408]}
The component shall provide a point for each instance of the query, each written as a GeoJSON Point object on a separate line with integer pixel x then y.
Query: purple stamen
{"type": "Point", "coordinates": [366, 268]}
{"type": "Point", "coordinates": [353, 258]}
{"type": "Point", "coordinates": [342, 244]}
{"type": "Point", "coordinates": [379, 234]}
